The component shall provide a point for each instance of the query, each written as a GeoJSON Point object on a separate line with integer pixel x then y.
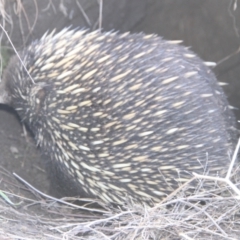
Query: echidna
{"type": "Point", "coordinates": [120, 115]}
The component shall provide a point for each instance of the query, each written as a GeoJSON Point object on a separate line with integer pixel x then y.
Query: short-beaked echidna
{"type": "Point", "coordinates": [121, 115]}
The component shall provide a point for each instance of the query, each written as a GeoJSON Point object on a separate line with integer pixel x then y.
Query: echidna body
{"type": "Point", "coordinates": [121, 115]}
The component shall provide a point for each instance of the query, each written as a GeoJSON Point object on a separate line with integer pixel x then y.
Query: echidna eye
{"type": "Point", "coordinates": [38, 95]}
